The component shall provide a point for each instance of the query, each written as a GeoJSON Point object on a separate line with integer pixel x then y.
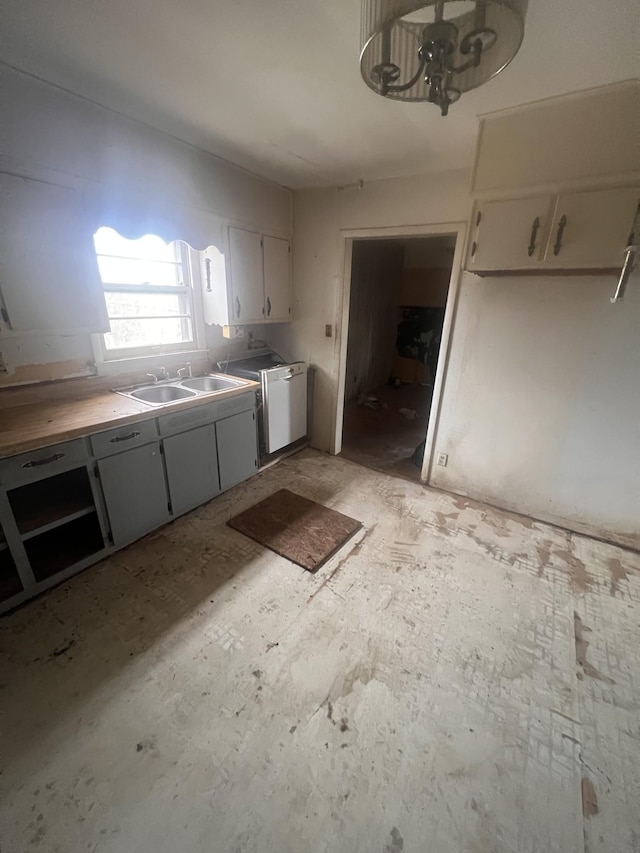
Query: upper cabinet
{"type": "Point", "coordinates": [246, 277]}
{"type": "Point", "coordinates": [49, 279]}
{"type": "Point", "coordinates": [590, 230]}
{"type": "Point", "coordinates": [251, 283]}
{"type": "Point", "coordinates": [576, 231]}
{"type": "Point", "coordinates": [276, 257]}
{"type": "Point", "coordinates": [510, 235]}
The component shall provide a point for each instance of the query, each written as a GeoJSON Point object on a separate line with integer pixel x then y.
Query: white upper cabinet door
{"type": "Point", "coordinates": [49, 279]}
{"type": "Point", "coordinates": [509, 235]}
{"type": "Point", "coordinates": [277, 279]}
{"type": "Point", "coordinates": [590, 230]}
{"type": "Point", "coordinates": [245, 262]}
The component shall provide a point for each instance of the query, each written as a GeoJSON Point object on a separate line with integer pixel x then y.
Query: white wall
{"type": "Point", "coordinates": [318, 262]}
{"type": "Point", "coordinates": [50, 135]}
{"type": "Point", "coordinates": [541, 411]}
{"type": "Point", "coordinates": [316, 287]}
{"type": "Point", "coordinates": [541, 404]}
{"type": "Point", "coordinates": [430, 253]}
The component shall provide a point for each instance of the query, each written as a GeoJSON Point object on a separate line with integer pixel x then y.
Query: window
{"type": "Point", "coordinates": [148, 293]}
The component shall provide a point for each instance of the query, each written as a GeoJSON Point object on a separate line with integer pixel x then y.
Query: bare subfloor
{"type": "Point", "coordinates": [383, 438]}
{"type": "Point", "coordinates": [456, 680]}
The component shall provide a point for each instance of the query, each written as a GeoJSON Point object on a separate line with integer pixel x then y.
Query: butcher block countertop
{"type": "Point", "coordinates": [32, 417]}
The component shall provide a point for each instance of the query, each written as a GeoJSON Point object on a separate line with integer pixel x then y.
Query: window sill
{"type": "Point", "coordinates": [114, 366]}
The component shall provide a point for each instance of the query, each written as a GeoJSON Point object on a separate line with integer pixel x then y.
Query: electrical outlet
{"type": "Point", "coordinates": [233, 333]}
{"type": "Point", "coordinates": [443, 458]}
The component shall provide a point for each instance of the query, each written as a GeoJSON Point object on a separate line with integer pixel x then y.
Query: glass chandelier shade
{"type": "Point", "coordinates": [411, 51]}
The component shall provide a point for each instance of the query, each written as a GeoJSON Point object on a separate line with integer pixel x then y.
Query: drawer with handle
{"type": "Point", "coordinates": [206, 414]}
{"type": "Point", "coordinates": [187, 419]}
{"type": "Point", "coordinates": [123, 438]}
{"type": "Point", "coordinates": [38, 464]}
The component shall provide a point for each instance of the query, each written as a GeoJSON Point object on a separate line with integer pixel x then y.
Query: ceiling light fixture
{"type": "Point", "coordinates": [410, 52]}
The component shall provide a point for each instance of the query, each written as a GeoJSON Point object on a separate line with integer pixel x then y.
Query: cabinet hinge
{"type": "Point", "coordinates": [161, 449]}
{"type": "Point", "coordinates": [110, 537]}
{"type": "Point", "coordinates": [478, 218]}
{"type": "Point", "coordinates": [474, 246]}
{"type": "Point", "coordinates": [170, 508]}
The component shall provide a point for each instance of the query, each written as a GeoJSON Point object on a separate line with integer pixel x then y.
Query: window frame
{"type": "Point", "coordinates": [155, 354]}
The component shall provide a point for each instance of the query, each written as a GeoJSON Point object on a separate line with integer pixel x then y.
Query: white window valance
{"type": "Point", "coordinates": [133, 215]}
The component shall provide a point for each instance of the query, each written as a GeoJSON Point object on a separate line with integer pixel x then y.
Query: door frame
{"type": "Point", "coordinates": [454, 229]}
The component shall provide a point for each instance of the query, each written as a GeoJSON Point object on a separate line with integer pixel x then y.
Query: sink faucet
{"type": "Point", "coordinates": [185, 371]}
{"type": "Point", "coordinates": [163, 375]}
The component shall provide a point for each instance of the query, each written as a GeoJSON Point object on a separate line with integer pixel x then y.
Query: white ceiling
{"type": "Point", "coordinates": [274, 85]}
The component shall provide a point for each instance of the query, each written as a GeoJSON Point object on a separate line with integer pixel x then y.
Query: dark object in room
{"type": "Point", "coordinates": [419, 334]}
{"type": "Point", "coordinates": [418, 454]}
{"type": "Point", "coordinates": [297, 528]}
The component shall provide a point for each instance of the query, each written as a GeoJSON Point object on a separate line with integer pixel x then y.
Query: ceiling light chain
{"type": "Point", "coordinates": [436, 59]}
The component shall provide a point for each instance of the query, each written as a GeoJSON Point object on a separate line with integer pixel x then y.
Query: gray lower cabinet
{"type": "Point", "coordinates": [51, 519]}
{"type": "Point", "coordinates": [135, 492]}
{"type": "Point", "coordinates": [192, 467]}
{"type": "Point", "coordinates": [237, 448]}
{"type": "Point", "coordinates": [56, 517]}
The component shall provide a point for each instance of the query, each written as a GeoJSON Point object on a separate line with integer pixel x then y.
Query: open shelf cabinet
{"type": "Point", "coordinates": [57, 520]}
{"type": "Point", "coordinates": [64, 545]}
{"type": "Point", "coordinates": [41, 506]}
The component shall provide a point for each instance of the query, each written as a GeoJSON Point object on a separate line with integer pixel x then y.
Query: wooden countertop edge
{"type": "Point", "coordinates": [41, 437]}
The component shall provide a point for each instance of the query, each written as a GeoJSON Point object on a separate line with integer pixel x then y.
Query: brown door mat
{"type": "Point", "coordinates": [301, 530]}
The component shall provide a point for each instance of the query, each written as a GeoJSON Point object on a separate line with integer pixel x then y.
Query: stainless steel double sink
{"type": "Point", "coordinates": [171, 390]}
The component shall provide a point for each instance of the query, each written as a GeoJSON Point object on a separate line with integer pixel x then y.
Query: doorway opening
{"type": "Point", "coordinates": [397, 306]}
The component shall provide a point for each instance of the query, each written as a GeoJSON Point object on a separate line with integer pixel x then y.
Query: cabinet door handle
{"type": "Point", "coordinates": [35, 463]}
{"type": "Point", "coordinates": [126, 437]}
{"type": "Point", "coordinates": [268, 307]}
{"type": "Point", "coordinates": [561, 226]}
{"type": "Point", "coordinates": [534, 233]}
{"type": "Point", "coordinates": [630, 255]}
{"type": "Point", "coordinates": [238, 307]}
{"type": "Point", "coordinates": [207, 266]}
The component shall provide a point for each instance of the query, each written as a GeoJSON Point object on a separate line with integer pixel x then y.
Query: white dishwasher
{"type": "Point", "coordinates": [284, 392]}
{"type": "Point", "coordinates": [283, 413]}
